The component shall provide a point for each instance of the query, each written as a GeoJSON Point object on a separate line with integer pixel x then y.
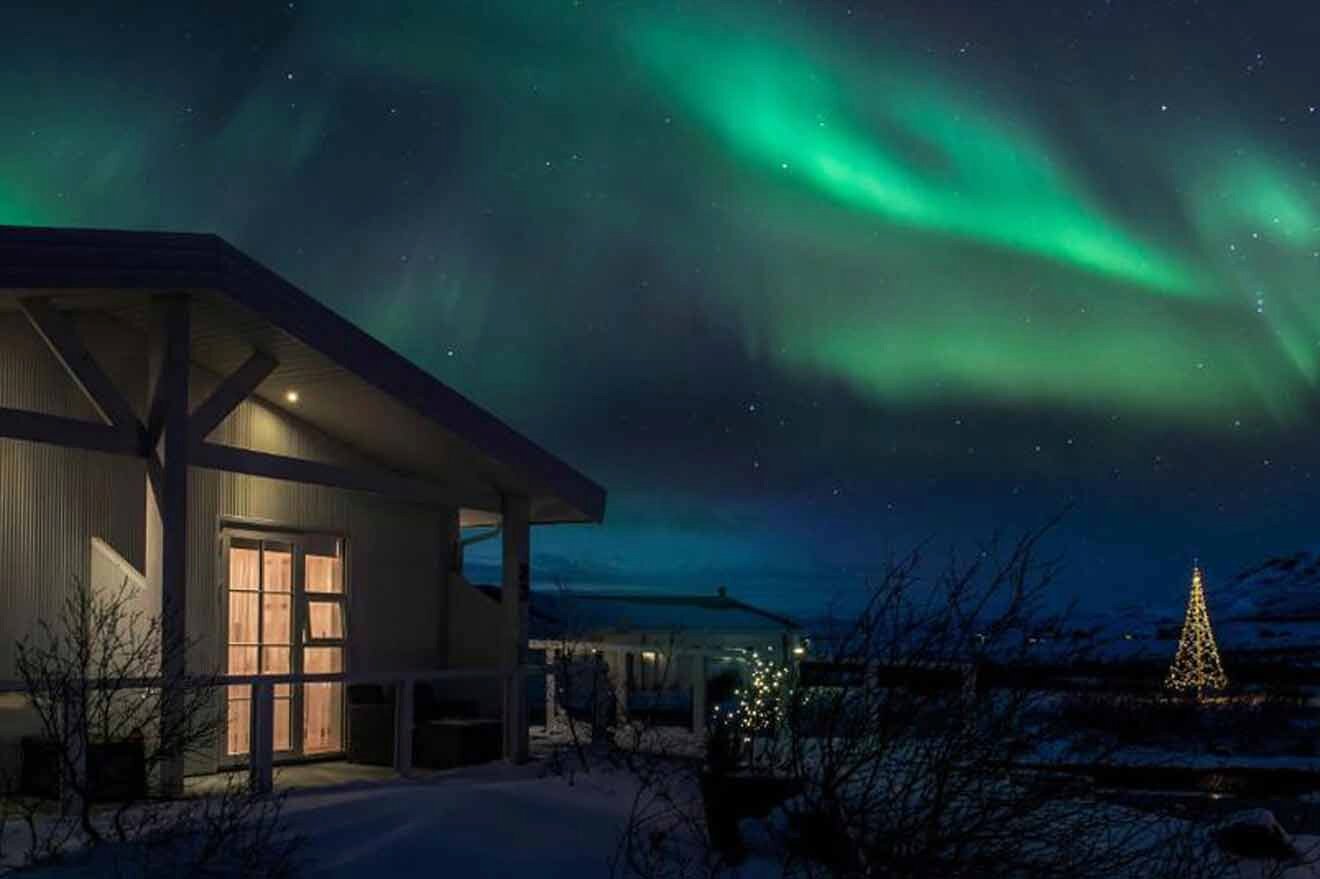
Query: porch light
{"type": "Point", "coordinates": [648, 656]}
{"type": "Point", "coordinates": [799, 650]}
{"type": "Point", "coordinates": [291, 396]}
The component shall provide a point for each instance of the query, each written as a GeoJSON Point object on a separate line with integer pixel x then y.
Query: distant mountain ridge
{"type": "Point", "coordinates": [1272, 608]}
{"type": "Point", "coordinates": [1268, 609]}
{"type": "Point", "coordinates": [1284, 588]}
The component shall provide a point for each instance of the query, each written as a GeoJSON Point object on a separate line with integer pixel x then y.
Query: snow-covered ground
{"type": "Point", "coordinates": [503, 821]}
{"type": "Point", "coordinates": [493, 821]}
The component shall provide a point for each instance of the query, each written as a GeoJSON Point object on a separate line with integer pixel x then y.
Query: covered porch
{"type": "Point", "coordinates": [290, 490]}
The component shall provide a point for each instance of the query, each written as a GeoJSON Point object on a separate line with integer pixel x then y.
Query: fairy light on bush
{"type": "Point", "coordinates": [760, 704]}
{"type": "Point", "coordinates": [1196, 667]}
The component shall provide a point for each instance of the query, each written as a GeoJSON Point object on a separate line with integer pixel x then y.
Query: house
{"type": "Point", "coordinates": [659, 652]}
{"type": "Point", "coordinates": [286, 491]}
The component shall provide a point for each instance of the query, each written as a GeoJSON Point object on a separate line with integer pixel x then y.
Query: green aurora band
{"type": "Point", "coordinates": [903, 151]}
{"type": "Point", "coordinates": [1083, 308]}
{"type": "Point", "coordinates": [884, 220]}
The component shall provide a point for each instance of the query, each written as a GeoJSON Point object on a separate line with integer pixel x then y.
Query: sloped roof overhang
{"type": "Point", "coordinates": [352, 387]}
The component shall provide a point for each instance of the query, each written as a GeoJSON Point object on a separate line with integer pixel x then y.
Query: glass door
{"type": "Point", "coordinates": [260, 634]}
{"type": "Point", "coordinates": [323, 645]}
{"type": "Point", "coordinates": [286, 613]}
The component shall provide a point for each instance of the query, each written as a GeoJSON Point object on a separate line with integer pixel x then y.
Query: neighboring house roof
{"type": "Point", "coordinates": [359, 390]}
{"type": "Point", "coordinates": [534, 609]}
{"type": "Point", "coordinates": [560, 614]}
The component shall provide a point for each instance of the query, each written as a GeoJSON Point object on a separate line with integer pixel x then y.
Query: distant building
{"type": "Point", "coordinates": [658, 651]}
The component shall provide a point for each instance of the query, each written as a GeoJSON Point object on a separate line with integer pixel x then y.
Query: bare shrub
{"type": "Point", "coordinates": [903, 760]}
{"type": "Point", "coordinates": [98, 675]}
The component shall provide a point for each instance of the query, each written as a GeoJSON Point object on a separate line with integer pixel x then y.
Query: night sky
{"type": "Point", "coordinates": [801, 283]}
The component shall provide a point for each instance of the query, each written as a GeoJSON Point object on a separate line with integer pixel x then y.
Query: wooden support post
{"type": "Point", "coordinates": [261, 738]}
{"type": "Point", "coordinates": [506, 688]}
{"type": "Point", "coordinates": [403, 726]}
{"type": "Point", "coordinates": [601, 694]}
{"type": "Point", "coordinates": [619, 684]}
{"type": "Point", "coordinates": [698, 694]}
{"type": "Point", "coordinates": [515, 592]}
{"type": "Point", "coordinates": [551, 687]}
{"type": "Point", "coordinates": [968, 693]}
{"type": "Point", "coordinates": [73, 774]}
{"type": "Point", "coordinates": [171, 354]}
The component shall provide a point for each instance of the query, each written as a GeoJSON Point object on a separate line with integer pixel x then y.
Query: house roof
{"type": "Point", "coordinates": [555, 614]}
{"type": "Point", "coordinates": [351, 386]}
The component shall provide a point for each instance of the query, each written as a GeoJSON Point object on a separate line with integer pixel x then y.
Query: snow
{"type": "Point", "coordinates": [500, 820]}
{"type": "Point", "coordinates": [1157, 757]}
{"type": "Point", "coordinates": [1305, 869]}
{"type": "Point", "coordinates": [1273, 606]}
{"type": "Point", "coordinates": [1280, 587]}
{"type": "Point", "coordinates": [1263, 822]}
{"type": "Point", "coordinates": [763, 839]}
{"type": "Point", "coordinates": [494, 820]}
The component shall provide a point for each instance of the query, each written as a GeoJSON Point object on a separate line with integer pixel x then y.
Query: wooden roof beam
{"type": "Point", "coordinates": [235, 388]}
{"type": "Point", "coordinates": [68, 432]}
{"type": "Point", "coordinates": [398, 486]}
{"type": "Point", "coordinates": [59, 333]}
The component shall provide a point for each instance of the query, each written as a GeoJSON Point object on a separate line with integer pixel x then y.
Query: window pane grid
{"type": "Point", "coordinates": [325, 620]}
{"type": "Point", "coordinates": [323, 574]}
{"type": "Point", "coordinates": [265, 578]}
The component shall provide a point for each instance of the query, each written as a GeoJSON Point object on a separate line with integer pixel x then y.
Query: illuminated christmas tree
{"type": "Point", "coordinates": [1196, 666]}
{"type": "Point", "coordinates": [758, 718]}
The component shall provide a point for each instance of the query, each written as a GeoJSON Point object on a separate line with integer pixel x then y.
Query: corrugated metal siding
{"type": "Point", "coordinates": [396, 552]}
{"type": "Point", "coordinates": [474, 614]}
{"type": "Point", "coordinates": [474, 626]}
{"type": "Point", "coordinates": [54, 500]}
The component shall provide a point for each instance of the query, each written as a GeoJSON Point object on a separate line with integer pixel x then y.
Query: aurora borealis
{"type": "Point", "coordinates": [801, 283]}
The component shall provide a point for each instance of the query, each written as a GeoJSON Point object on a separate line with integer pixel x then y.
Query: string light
{"type": "Point", "coordinates": [1196, 667]}
{"type": "Point", "coordinates": [760, 705]}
